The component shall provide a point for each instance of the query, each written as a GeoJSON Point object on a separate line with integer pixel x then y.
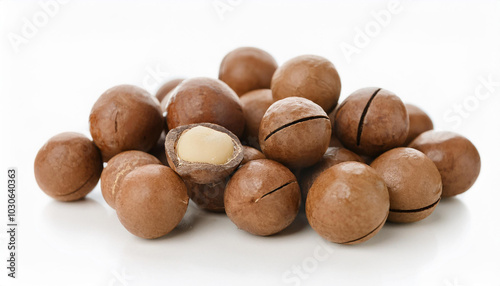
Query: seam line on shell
{"type": "Point", "coordinates": [363, 115]}
{"type": "Point", "coordinates": [373, 230]}
{"type": "Point", "coordinates": [79, 188]}
{"type": "Point", "coordinates": [277, 189]}
{"type": "Point", "coordinates": [416, 210]}
{"type": "Point", "coordinates": [295, 122]}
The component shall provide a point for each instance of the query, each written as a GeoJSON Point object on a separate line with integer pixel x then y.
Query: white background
{"type": "Point", "coordinates": [434, 54]}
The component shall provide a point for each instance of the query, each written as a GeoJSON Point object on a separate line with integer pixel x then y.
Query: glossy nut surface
{"type": "Point", "coordinates": [419, 122]}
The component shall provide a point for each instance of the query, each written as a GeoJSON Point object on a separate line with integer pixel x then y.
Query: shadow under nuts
{"type": "Point", "coordinates": [371, 121]}
{"type": "Point", "coordinates": [68, 166]}
{"type": "Point", "coordinates": [348, 203]}
{"type": "Point", "coordinates": [262, 197]}
{"type": "Point", "coordinates": [152, 201]}
{"type": "Point", "coordinates": [295, 132]}
{"type": "Point", "coordinates": [413, 181]}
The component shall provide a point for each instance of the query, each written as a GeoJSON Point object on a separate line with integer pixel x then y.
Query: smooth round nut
{"type": "Point", "coordinates": [413, 181]}
{"type": "Point", "coordinates": [348, 203]}
{"type": "Point", "coordinates": [68, 166]}
{"type": "Point", "coordinates": [309, 76]}
{"type": "Point", "coordinates": [295, 132]}
{"type": "Point", "coordinates": [199, 100]}
{"type": "Point", "coordinates": [456, 158]}
{"type": "Point", "coordinates": [371, 121]}
{"type": "Point", "coordinates": [255, 104]}
{"type": "Point", "coordinates": [167, 87]}
{"type": "Point", "coordinates": [118, 167]}
{"type": "Point", "coordinates": [247, 68]}
{"type": "Point", "coordinates": [262, 197]}
{"type": "Point", "coordinates": [202, 171]}
{"type": "Point", "coordinates": [125, 118]}
{"type": "Point", "coordinates": [419, 122]}
{"type": "Point", "coordinates": [152, 201]}
{"type": "Point", "coordinates": [250, 154]}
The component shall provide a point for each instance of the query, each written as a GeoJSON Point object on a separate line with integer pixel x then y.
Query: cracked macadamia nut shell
{"type": "Point", "coordinates": [348, 203]}
{"type": "Point", "coordinates": [152, 201]}
{"type": "Point", "coordinates": [247, 68]}
{"type": "Point", "coordinates": [201, 173]}
{"type": "Point", "coordinates": [295, 132]}
{"type": "Point", "coordinates": [413, 181]}
{"type": "Point", "coordinates": [68, 166]}
{"type": "Point", "coordinates": [456, 158]}
{"type": "Point", "coordinates": [255, 104]}
{"type": "Point", "coordinates": [371, 121]}
{"type": "Point", "coordinates": [419, 122]}
{"type": "Point", "coordinates": [124, 118]}
{"type": "Point", "coordinates": [308, 76]}
{"type": "Point", "coordinates": [262, 197]}
{"type": "Point", "coordinates": [209, 197]}
{"type": "Point", "coordinates": [118, 167]}
{"type": "Point", "coordinates": [201, 99]}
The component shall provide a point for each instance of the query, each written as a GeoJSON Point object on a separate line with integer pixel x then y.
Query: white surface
{"type": "Point", "coordinates": [432, 53]}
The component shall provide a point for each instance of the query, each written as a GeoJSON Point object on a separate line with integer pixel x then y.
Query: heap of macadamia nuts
{"type": "Point", "coordinates": [256, 143]}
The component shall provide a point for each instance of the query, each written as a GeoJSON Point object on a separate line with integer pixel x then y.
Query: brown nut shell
{"type": "Point", "coordinates": [167, 87]}
{"type": "Point", "coordinates": [247, 68]}
{"type": "Point", "coordinates": [250, 154]}
{"type": "Point", "coordinates": [456, 158]}
{"type": "Point", "coordinates": [201, 173]}
{"type": "Point", "coordinates": [201, 99]}
{"type": "Point", "coordinates": [262, 197]}
{"type": "Point", "coordinates": [159, 149]}
{"type": "Point", "coordinates": [419, 122]}
{"type": "Point", "coordinates": [209, 197]}
{"type": "Point", "coordinates": [371, 121]}
{"type": "Point", "coordinates": [152, 201]}
{"type": "Point", "coordinates": [255, 104]}
{"type": "Point", "coordinates": [68, 166]}
{"type": "Point", "coordinates": [332, 157]}
{"type": "Point", "coordinates": [295, 132]}
{"type": "Point", "coordinates": [124, 118]}
{"type": "Point", "coordinates": [413, 181]}
{"type": "Point", "coordinates": [118, 167]}
{"type": "Point", "coordinates": [348, 203]}
{"type": "Point", "coordinates": [309, 76]}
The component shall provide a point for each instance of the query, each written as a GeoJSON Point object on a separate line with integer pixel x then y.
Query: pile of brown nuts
{"type": "Point", "coordinates": [254, 144]}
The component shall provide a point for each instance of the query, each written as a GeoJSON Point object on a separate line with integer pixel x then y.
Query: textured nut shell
{"type": "Point", "coordinates": [250, 154]}
{"type": "Point", "coordinates": [385, 125]}
{"type": "Point", "coordinates": [201, 173]}
{"type": "Point", "coordinates": [262, 197]}
{"type": "Point", "coordinates": [255, 104]}
{"type": "Point", "coordinates": [209, 197]}
{"type": "Point", "coordinates": [413, 181]}
{"type": "Point", "coordinates": [419, 122]}
{"type": "Point", "coordinates": [456, 158]}
{"type": "Point", "coordinates": [295, 131]}
{"type": "Point", "coordinates": [309, 76]}
{"type": "Point", "coordinates": [125, 118]}
{"type": "Point", "coordinates": [167, 87]}
{"type": "Point", "coordinates": [152, 201]}
{"type": "Point", "coordinates": [68, 166]}
{"type": "Point", "coordinates": [247, 68]}
{"type": "Point", "coordinates": [199, 100]}
{"type": "Point", "coordinates": [118, 167]}
{"type": "Point", "coordinates": [332, 157]}
{"type": "Point", "coordinates": [348, 203]}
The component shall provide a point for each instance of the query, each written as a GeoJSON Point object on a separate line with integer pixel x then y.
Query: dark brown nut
{"type": "Point", "coordinates": [250, 154]}
{"type": "Point", "coordinates": [419, 122]}
{"type": "Point", "coordinates": [254, 103]}
{"type": "Point", "coordinates": [371, 121]}
{"type": "Point", "coordinates": [309, 76]}
{"type": "Point", "coordinates": [68, 166]}
{"type": "Point", "coordinates": [199, 100]}
{"type": "Point", "coordinates": [348, 203]}
{"type": "Point", "coordinates": [456, 158]}
{"type": "Point", "coordinates": [117, 168]}
{"type": "Point", "coordinates": [295, 131]}
{"type": "Point", "coordinates": [209, 197]}
{"type": "Point", "coordinates": [167, 87]}
{"type": "Point", "coordinates": [262, 198]}
{"type": "Point", "coordinates": [125, 118]}
{"type": "Point", "coordinates": [159, 149]}
{"type": "Point", "coordinates": [203, 153]}
{"type": "Point", "coordinates": [413, 181]}
{"type": "Point", "coordinates": [152, 201]}
{"type": "Point", "coordinates": [247, 68]}
{"type": "Point", "coordinates": [332, 156]}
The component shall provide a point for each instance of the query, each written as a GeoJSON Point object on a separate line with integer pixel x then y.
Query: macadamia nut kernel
{"type": "Point", "coordinates": [204, 145]}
